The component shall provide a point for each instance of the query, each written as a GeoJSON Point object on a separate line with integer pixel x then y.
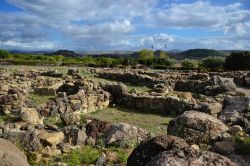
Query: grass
{"type": "Point", "coordinates": [53, 121]}
{"type": "Point", "coordinates": [7, 118]}
{"type": "Point", "coordinates": [137, 87]}
{"type": "Point", "coordinates": [243, 145]}
{"type": "Point", "coordinates": [84, 155]}
{"type": "Point", "coordinates": [153, 123]}
{"type": "Point", "coordinates": [39, 99]}
{"type": "Point", "coordinates": [88, 155]}
{"type": "Point", "coordinates": [121, 155]}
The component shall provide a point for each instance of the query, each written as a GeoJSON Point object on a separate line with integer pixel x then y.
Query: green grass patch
{"type": "Point", "coordinates": [137, 87]}
{"type": "Point", "coordinates": [8, 118]}
{"type": "Point", "coordinates": [84, 155]}
{"type": "Point", "coordinates": [39, 99]}
{"type": "Point", "coordinates": [121, 155]}
{"type": "Point", "coordinates": [154, 123]}
{"type": "Point", "coordinates": [242, 145]}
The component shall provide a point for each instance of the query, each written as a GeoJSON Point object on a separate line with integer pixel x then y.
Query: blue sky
{"type": "Point", "coordinates": [124, 24]}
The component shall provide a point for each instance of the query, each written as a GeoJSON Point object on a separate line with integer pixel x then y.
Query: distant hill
{"type": "Point", "coordinates": [65, 53]}
{"type": "Point", "coordinates": [201, 53]}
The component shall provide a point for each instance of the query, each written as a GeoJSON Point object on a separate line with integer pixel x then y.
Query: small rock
{"type": "Point", "coordinates": [224, 147]}
{"type": "Point", "coordinates": [90, 141]}
{"type": "Point", "coordinates": [194, 146]}
{"type": "Point", "coordinates": [235, 129]}
{"type": "Point", "coordinates": [102, 160]}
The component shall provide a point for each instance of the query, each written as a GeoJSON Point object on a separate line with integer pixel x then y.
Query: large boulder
{"type": "Point", "coordinates": [10, 155]}
{"type": "Point", "coordinates": [123, 134]}
{"type": "Point", "coordinates": [51, 139]}
{"type": "Point", "coordinates": [197, 127]}
{"type": "Point", "coordinates": [190, 156]}
{"type": "Point", "coordinates": [173, 151]}
{"type": "Point", "coordinates": [147, 150]}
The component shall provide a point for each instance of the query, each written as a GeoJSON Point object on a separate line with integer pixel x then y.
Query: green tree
{"type": "Point", "coordinates": [189, 64]}
{"type": "Point", "coordinates": [161, 54]}
{"type": "Point", "coordinates": [5, 54]}
{"type": "Point", "coordinates": [146, 54]}
{"type": "Point", "coordinates": [238, 61]}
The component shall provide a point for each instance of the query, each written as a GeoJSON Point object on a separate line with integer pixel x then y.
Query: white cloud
{"type": "Point", "coordinates": [117, 24]}
{"type": "Point", "coordinates": [202, 14]}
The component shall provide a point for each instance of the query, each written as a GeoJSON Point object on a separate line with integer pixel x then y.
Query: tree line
{"type": "Point", "coordinates": [148, 58]}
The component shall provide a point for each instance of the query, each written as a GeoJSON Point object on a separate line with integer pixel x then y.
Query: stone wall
{"type": "Point", "coordinates": [142, 78]}
{"type": "Point", "coordinates": [148, 102]}
{"type": "Point", "coordinates": [214, 86]}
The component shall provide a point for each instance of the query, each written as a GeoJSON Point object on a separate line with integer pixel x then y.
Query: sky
{"type": "Point", "coordinates": [94, 25]}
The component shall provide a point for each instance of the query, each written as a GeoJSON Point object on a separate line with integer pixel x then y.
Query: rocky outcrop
{"type": "Point", "coordinates": [10, 155]}
{"type": "Point", "coordinates": [197, 127]}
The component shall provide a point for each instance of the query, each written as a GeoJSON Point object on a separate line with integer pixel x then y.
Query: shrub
{"type": "Point", "coordinates": [213, 63]}
{"type": "Point", "coordinates": [169, 62]}
{"type": "Point", "coordinates": [238, 61]}
{"type": "Point", "coordinates": [189, 64]}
